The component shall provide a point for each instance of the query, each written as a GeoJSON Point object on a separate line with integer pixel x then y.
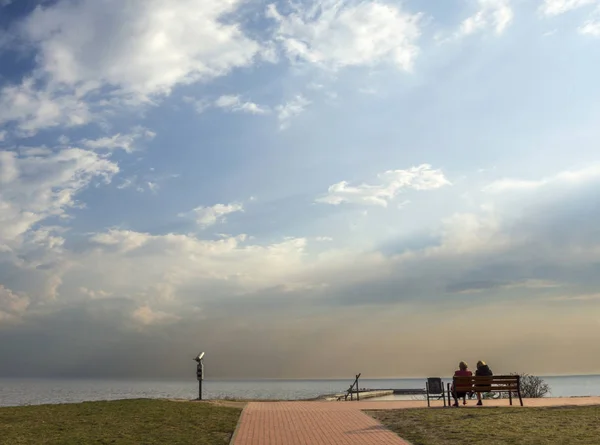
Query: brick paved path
{"type": "Point", "coordinates": [342, 423]}
{"type": "Point", "coordinates": [310, 423]}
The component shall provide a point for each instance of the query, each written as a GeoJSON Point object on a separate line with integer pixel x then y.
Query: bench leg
{"type": "Point", "coordinates": [520, 399]}
{"type": "Point", "coordinates": [510, 397]}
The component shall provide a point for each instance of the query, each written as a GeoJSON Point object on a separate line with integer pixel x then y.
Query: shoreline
{"type": "Point", "coordinates": [242, 402]}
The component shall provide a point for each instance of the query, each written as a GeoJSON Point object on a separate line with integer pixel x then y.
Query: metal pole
{"type": "Point", "coordinates": [200, 389]}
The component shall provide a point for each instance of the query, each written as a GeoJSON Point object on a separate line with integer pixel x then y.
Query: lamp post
{"type": "Point", "coordinates": [200, 373]}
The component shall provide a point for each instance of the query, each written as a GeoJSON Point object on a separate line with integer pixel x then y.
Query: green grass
{"type": "Point", "coordinates": [120, 422]}
{"type": "Point", "coordinates": [495, 426]}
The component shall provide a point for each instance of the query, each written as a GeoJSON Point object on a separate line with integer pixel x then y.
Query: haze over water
{"type": "Point", "coordinates": [43, 391]}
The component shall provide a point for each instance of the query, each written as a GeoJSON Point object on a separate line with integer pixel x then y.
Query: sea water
{"type": "Point", "coordinates": [15, 392]}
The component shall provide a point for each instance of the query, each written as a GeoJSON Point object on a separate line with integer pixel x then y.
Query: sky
{"type": "Point", "coordinates": [301, 189]}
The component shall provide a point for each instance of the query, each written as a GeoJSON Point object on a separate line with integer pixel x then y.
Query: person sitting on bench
{"type": "Point", "coordinates": [483, 370]}
{"type": "Point", "coordinates": [462, 371]}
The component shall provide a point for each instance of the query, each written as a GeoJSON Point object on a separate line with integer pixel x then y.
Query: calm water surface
{"type": "Point", "coordinates": [41, 391]}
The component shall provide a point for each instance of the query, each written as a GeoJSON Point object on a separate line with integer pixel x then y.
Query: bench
{"type": "Point", "coordinates": [510, 384]}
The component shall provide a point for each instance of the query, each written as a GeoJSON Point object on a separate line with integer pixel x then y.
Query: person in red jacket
{"type": "Point", "coordinates": [462, 371]}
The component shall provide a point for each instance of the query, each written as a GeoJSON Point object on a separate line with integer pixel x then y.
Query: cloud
{"type": "Point", "coordinates": [3, 134]}
{"type": "Point", "coordinates": [336, 34]}
{"type": "Point", "coordinates": [574, 177]}
{"type": "Point", "coordinates": [94, 294]}
{"type": "Point", "coordinates": [148, 181]}
{"type": "Point", "coordinates": [557, 7]}
{"type": "Point", "coordinates": [200, 105]}
{"type": "Point", "coordinates": [324, 238]}
{"type": "Point", "coordinates": [209, 216]}
{"type": "Point", "coordinates": [96, 56]}
{"type": "Point", "coordinates": [572, 298]}
{"type": "Point", "coordinates": [152, 186]}
{"type": "Point", "coordinates": [33, 109]}
{"type": "Point", "coordinates": [146, 316]}
{"type": "Point", "coordinates": [143, 47]}
{"type": "Point", "coordinates": [125, 142]}
{"type": "Point", "coordinates": [495, 14]}
{"type": "Point", "coordinates": [391, 184]}
{"type": "Point", "coordinates": [37, 186]}
{"type": "Point", "coordinates": [12, 306]}
{"type": "Point", "coordinates": [278, 296]}
{"type": "Point", "coordinates": [483, 286]}
{"type": "Point", "coordinates": [167, 267]}
{"type": "Point", "coordinates": [289, 110]}
{"type": "Point", "coordinates": [124, 240]}
{"type": "Point", "coordinates": [235, 104]}
{"type": "Point", "coordinates": [591, 27]}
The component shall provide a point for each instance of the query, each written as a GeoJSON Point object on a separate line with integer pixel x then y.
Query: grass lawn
{"type": "Point", "coordinates": [119, 422]}
{"type": "Point", "coordinates": [495, 426]}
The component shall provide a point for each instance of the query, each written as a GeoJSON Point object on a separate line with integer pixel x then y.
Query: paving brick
{"type": "Point", "coordinates": [318, 423]}
{"type": "Point", "coordinates": [343, 423]}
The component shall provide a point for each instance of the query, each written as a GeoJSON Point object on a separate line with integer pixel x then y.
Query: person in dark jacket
{"type": "Point", "coordinates": [482, 370]}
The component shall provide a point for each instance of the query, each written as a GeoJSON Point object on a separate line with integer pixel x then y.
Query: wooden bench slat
{"type": "Point", "coordinates": [485, 382]}
{"type": "Point", "coordinates": [491, 377]}
{"type": "Point", "coordinates": [501, 379]}
{"type": "Point", "coordinates": [482, 384]}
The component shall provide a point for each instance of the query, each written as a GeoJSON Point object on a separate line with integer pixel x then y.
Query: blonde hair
{"type": "Point", "coordinates": [463, 366]}
{"type": "Point", "coordinates": [480, 363]}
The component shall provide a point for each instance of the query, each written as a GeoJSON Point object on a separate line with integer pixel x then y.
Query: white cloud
{"type": "Point", "coordinates": [200, 105]}
{"type": "Point", "coordinates": [102, 54]}
{"type": "Point", "coordinates": [494, 14]}
{"type": "Point", "coordinates": [127, 183]}
{"type": "Point", "coordinates": [38, 185]}
{"type": "Point", "coordinates": [34, 109]}
{"type": "Point", "coordinates": [335, 34]}
{"type": "Point", "coordinates": [292, 108]}
{"type": "Point", "coordinates": [521, 185]}
{"type": "Point", "coordinates": [146, 316]}
{"type": "Point", "coordinates": [404, 204]}
{"type": "Point", "coordinates": [125, 142]}
{"type": "Point", "coordinates": [143, 47]}
{"type": "Point", "coordinates": [557, 7]}
{"type": "Point", "coordinates": [235, 104]}
{"type": "Point", "coordinates": [591, 28]}
{"type": "Point", "coordinates": [323, 238]}
{"type": "Point", "coordinates": [209, 216]}
{"type": "Point", "coordinates": [391, 183]}
{"type": "Point", "coordinates": [95, 294]}
{"type": "Point", "coordinates": [143, 182]}
{"type": "Point", "coordinates": [156, 268]}
{"type": "Point", "coordinates": [8, 167]}
{"type": "Point", "coordinates": [12, 305]}
{"type": "Point", "coordinates": [3, 135]}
